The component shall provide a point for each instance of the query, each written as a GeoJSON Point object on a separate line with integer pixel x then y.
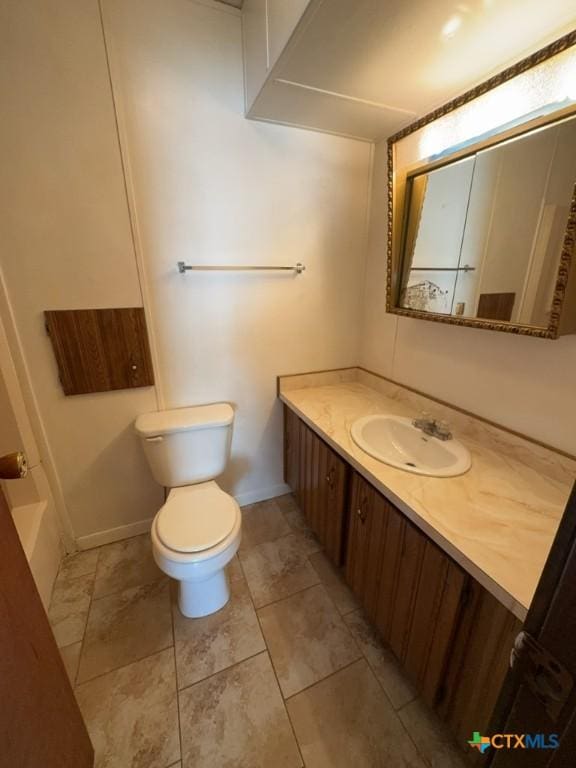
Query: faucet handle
{"type": "Point", "coordinates": [443, 430]}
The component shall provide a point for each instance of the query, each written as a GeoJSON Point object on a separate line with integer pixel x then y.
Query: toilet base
{"type": "Point", "coordinates": [201, 598]}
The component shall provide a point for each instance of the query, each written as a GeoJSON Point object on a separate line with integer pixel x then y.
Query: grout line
{"type": "Point", "coordinates": [123, 666]}
{"type": "Point", "coordinates": [176, 672]}
{"type": "Point", "coordinates": [224, 669]}
{"type": "Point", "coordinates": [323, 679]}
{"type": "Point", "coordinates": [82, 641]}
{"type": "Point", "coordinates": [273, 667]}
{"type": "Point", "coordinates": [384, 648]}
{"type": "Point", "coordinates": [162, 577]}
{"type": "Point", "coordinates": [285, 597]}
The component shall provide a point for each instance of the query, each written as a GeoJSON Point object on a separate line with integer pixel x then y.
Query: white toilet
{"type": "Point", "coordinates": [197, 531]}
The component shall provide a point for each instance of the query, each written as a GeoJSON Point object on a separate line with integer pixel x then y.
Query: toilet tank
{"type": "Point", "coordinates": [187, 445]}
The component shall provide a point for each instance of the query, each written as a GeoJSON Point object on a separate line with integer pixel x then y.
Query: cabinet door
{"type": "Point", "coordinates": [436, 612]}
{"type": "Point", "coordinates": [318, 477]}
{"type": "Point", "coordinates": [323, 500]}
{"type": "Point", "coordinates": [333, 473]}
{"type": "Point", "coordinates": [478, 665]}
{"type": "Point", "coordinates": [409, 588]}
{"type": "Point", "coordinates": [367, 525]}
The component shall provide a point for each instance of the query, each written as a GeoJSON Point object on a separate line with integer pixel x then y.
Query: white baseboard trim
{"type": "Point", "coordinates": [251, 497]}
{"type": "Point", "coordinates": [143, 526]}
{"type": "Point", "coordinates": [114, 534]}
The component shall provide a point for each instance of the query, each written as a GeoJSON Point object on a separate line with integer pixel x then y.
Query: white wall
{"type": "Point", "coordinates": [30, 498]}
{"type": "Point", "coordinates": [523, 383]}
{"type": "Point", "coordinates": [211, 187]}
{"type": "Point", "coordinates": [66, 244]}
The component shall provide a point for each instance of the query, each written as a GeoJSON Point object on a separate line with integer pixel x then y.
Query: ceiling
{"type": "Point", "coordinates": [233, 3]}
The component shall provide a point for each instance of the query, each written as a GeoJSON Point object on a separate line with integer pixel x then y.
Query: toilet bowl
{"type": "Point", "coordinates": [197, 531]}
{"type": "Point", "coordinates": [194, 537]}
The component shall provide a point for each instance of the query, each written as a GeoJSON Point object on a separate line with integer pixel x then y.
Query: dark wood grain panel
{"type": "Point", "coordinates": [427, 607]}
{"type": "Point", "coordinates": [99, 350]}
{"type": "Point", "coordinates": [391, 563]}
{"type": "Point", "coordinates": [334, 510]}
{"type": "Point", "coordinates": [359, 570]}
{"type": "Point", "coordinates": [444, 632]}
{"type": "Point", "coordinates": [480, 657]}
{"type": "Point", "coordinates": [412, 552]}
{"type": "Point", "coordinates": [319, 479]}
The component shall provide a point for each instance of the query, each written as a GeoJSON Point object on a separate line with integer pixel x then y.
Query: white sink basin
{"type": "Point", "coordinates": [396, 441]}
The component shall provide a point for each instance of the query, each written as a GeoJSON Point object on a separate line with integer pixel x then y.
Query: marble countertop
{"type": "Point", "coordinates": [497, 521]}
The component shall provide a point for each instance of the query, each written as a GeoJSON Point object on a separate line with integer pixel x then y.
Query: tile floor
{"type": "Point", "coordinates": [288, 674]}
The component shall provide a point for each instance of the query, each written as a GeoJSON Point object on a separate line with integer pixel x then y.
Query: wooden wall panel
{"type": "Point", "coordinates": [98, 350]}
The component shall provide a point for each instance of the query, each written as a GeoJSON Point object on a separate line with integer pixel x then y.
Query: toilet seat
{"type": "Point", "coordinates": [196, 518]}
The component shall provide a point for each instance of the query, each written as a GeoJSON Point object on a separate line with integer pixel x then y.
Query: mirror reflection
{"type": "Point", "coordinates": [482, 236]}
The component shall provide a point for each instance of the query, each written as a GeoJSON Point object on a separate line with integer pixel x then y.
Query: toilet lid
{"type": "Point", "coordinates": [196, 518]}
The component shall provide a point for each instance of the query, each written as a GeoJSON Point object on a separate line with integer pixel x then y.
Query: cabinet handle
{"type": "Point", "coordinates": [330, 478]}
{"type": "Point", "coordinates": [361, 512]}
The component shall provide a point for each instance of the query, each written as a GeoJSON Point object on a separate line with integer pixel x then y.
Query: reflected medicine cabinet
{"type": "Point", "coordinates": [481, 227]}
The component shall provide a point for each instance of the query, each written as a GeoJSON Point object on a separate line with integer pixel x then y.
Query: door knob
{"type": "Point", "coordinates": [13, 466]}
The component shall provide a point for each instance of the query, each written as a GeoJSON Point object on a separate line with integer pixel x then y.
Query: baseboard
{"type": "Point", "coordinates": [262, 495]}
{"type": "Point", "coordinates": [143, 526]}
{"type": "Point", "coordinates": [114, 534]}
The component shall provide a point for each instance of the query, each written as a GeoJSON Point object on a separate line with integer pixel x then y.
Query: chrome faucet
{"type": "Point", "coordinates": [432, 427]}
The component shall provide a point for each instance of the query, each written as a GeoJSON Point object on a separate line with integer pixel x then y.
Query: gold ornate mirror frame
{"type": "Point", "coordinates": [562, 316]}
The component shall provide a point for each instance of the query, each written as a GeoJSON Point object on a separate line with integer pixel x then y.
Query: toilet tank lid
{"type": "Point", "coordinates": [184, 419]}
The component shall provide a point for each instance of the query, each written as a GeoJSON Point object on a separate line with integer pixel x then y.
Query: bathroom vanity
{"type": "Point", "coordinates": [445, 568]}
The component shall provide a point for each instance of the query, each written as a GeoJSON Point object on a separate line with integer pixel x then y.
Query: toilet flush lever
{"type": "Point", "coordinates": [157, 439]}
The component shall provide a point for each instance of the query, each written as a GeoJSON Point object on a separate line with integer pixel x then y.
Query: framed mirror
{"type": "Point", "coordinates": [482, 203]}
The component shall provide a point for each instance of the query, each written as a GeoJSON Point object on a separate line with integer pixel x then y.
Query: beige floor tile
{"type": "Point", "coordinates": [69, 608]}
{"type": "Point", "coordinates": [71, 656]}
{"type": "Point", "coordinates": [125, 627]}
{"type": "Point", "coordinates": [207, 645]}
{"type": "Point", "coordinates": [237, 718]}
{"type": "Point", "coordinates": [290, 509]}
{"type": "Point", "coordinates": [79, 564]}
{"type": "Point", "coordinates": [297, 522]}
{"type": "Point", "coordinates": [234, 570]}
{"type": "Point", "coordinates": [262, 522]}
{"type": "Point", "coordinates": [132, 714]}
{"type": "Point", "coordinates": [307, 639]}
{"type": "Point", "coordinates": [125, 564]}
{"type": "Point", "coordinates": [430, 736]}
{"type": "Point", "coordinates": [277, 569]}
{"type": "Point", "coordinates": [347, 721]}
{"type": "Point", "coordinates": [384, 665]}
{"type": "Point", "coordinates": [339, 592]}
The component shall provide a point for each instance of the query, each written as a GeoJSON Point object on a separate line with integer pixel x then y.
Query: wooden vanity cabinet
{"type": "Point", "coordinates": [452, 637]}
{"type": "Point", "coordinates": [318, 477]}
